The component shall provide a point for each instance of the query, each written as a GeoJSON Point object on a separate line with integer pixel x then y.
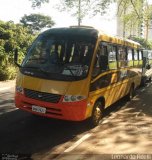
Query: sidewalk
{"type": "Point", "coordinates": [8, 83]}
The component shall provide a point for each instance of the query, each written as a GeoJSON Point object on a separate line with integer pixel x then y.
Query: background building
{"type": "Point", "coordinates": [134, 27]}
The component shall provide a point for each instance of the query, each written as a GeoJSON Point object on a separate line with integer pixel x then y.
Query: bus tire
{"type": "Point", "coordinates": [131, 93]}
{"type": "Point", "coordinates": [97, 114]}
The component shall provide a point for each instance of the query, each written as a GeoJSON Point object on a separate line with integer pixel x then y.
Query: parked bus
{"type": "Point", "coordinates": [147, 66]}
{"type": "Point", "coordinates": [75, 73]}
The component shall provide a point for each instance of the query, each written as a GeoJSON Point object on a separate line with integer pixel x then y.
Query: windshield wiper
{"type": "Point", "coordinates": [36, 68]}
{"type": "Point", "coordinates": [41, 60]}
{"type": "Point", "coordinates": [69, 69]}
{"type": "Point", "coordinates": [41, 69]}
{"type": "Point", "coordinates": [32, 67]}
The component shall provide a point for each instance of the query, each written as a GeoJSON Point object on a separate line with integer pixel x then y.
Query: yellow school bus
{"type": "Point", "coordinates": [75, 73]}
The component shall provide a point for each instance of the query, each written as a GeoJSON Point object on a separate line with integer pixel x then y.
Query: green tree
{"type": "Point", "coordinates": [37, 22]}
{"type": "Point", "coordinates": [135, 13]}
{"type": "Point", "coordinates": [82, 8]}
{"type": "Point", "coordinates": [147, 17]}
{"type": "Point", "coordinates": [147, 44]}
{"type": "Point", "coordinates": [79, 8]}
{"type": "Point", "coordinates": [12, 36]}
{"type": "Point", "coordinates": [130, 13]}
{"type": "Point", "coordinates": [38, 3]}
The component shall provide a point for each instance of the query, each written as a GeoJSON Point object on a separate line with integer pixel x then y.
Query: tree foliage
{"type": "Point", "coordinates": [135, 13]}
{"type": "Point", "coordinates": [147, 17]}
{"type": "Point", "coordinates": [128, 11]}
{"type": "Point", "coordinates": [131, 12]}
{"type": "Point", "coordinates": [82, 8]}
{"type": "Point", "coordinates": [79, 8]}
{"type": "Point", "coordinates": [12, 36]}
{"type": "Point", "coordinates": [147, 44]}
{"type": "Point", "coordinates": [38, 3]}
{"type": "Point", "coordinates": [37, 22]}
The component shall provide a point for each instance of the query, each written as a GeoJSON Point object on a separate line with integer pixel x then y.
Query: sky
{"type": "Point", "coordinates": [15, 9]}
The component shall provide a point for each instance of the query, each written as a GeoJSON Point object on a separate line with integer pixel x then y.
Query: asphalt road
{"type": "Point", "coordinates": [126, 128]}
{"type": "Point", "coordinates": [21, 132]}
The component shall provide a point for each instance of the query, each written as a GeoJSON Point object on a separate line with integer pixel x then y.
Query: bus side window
{"type": "Point", "coordinates": [140, 55]}
{"type": "Point", "coordinates": [135, 57]}
{"type": "Point", "coordinates": [122, 56]}
{"type": "Point", "coordinates": [101, 61]}
{"type": "Point", "coordinates": [130, 57]}
{"type": "Point", "coordinates": [103, 58]}
{"type": "Point", "coordinates": [112, 57]}
{"type": "Point", "coordinates": [140, 58]}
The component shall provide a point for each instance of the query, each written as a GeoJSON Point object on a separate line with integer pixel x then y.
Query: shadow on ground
{"type": "Point", "coordinates": [126, 128]}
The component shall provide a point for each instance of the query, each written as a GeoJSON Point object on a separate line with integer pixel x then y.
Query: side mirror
{"type": "Point", "coordinates": [16, 58]}
{"type": "Point", "coordinates": [148, 66]}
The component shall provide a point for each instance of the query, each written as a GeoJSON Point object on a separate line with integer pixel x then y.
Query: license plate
{"type": "Point", "coordinates": [38, 109]}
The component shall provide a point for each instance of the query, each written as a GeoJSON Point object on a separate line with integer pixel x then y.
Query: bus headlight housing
{"type": "Point", "coordinates": [19, 89]}
{"type": "Point", "coordinates": [71, 98]}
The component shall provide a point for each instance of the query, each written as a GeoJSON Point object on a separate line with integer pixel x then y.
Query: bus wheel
{"type": "Point", "coordinates": [97, 114]}
{"type": "Point", "coordinates": [131, 93]}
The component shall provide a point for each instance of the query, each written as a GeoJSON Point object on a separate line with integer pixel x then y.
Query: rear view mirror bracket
{"type": "Point", "coordinates": [16, 58]}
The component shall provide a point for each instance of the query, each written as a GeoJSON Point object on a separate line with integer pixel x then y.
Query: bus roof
{"type": "Point", "coordinates": [74, 31]}
{"type": "Point", "coordinates": [118, 40]}
{"type": "Point", "coordinates": [94, 33]}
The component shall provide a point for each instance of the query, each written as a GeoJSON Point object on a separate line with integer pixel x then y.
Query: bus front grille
{"type": "Point", "coordinates": [42, 96]}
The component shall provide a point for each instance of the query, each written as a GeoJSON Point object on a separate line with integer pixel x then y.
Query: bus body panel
{"type": "Point", "coordinates": [116, 89]}
{"type": "Point", "coordinates": [42, 85]}
{"type": "Point", "coordinates": [75, 111]}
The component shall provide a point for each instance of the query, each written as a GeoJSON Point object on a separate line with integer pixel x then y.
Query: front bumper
{"type": "Point", "coordinates": [72, 111]}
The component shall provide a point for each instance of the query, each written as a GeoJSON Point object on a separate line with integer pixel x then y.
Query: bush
{"type": "Point", "coordinates": [11, 70]}
{"type": "Point", "coordinates": [7, 73]}
{"type": "Point", "coordinates": [12, 36]}
{"type": "Point", "coordinates": [3, 74]}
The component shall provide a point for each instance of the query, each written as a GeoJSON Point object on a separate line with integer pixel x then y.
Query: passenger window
{"type": "Point", "coordinates": [122, 56]}
{"type": "Point", "coordinates": [140, 55]}
{"type": "Point", "coordinates": [136, 62]}
{"type": "Point", "coordinates": [112, 50]}
{"type": "Point", "coordinates": [135, 55]}
{"type": "Point", "coordinates": [130, 57]}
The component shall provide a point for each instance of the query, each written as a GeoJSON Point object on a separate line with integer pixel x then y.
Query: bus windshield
{"type": "Point", "coordinates": [61, 56]}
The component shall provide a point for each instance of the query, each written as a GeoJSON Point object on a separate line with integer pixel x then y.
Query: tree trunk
{"type": "Point", "coordinates": [146, 32]}
{"type": "Point", "coordinates": [79, 14]}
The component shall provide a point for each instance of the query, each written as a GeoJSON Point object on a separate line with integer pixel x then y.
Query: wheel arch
{"type": "Point", "coordinates": [102, 100]}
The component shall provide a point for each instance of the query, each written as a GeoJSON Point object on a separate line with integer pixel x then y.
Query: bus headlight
{"type": "Point", "coordinates": [19, 89]}
{"type": "Point", "coordinates": [71, 98]}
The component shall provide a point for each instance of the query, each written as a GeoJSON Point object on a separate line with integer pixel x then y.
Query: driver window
{"type": "Point", "coordinates": [101, 60]}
